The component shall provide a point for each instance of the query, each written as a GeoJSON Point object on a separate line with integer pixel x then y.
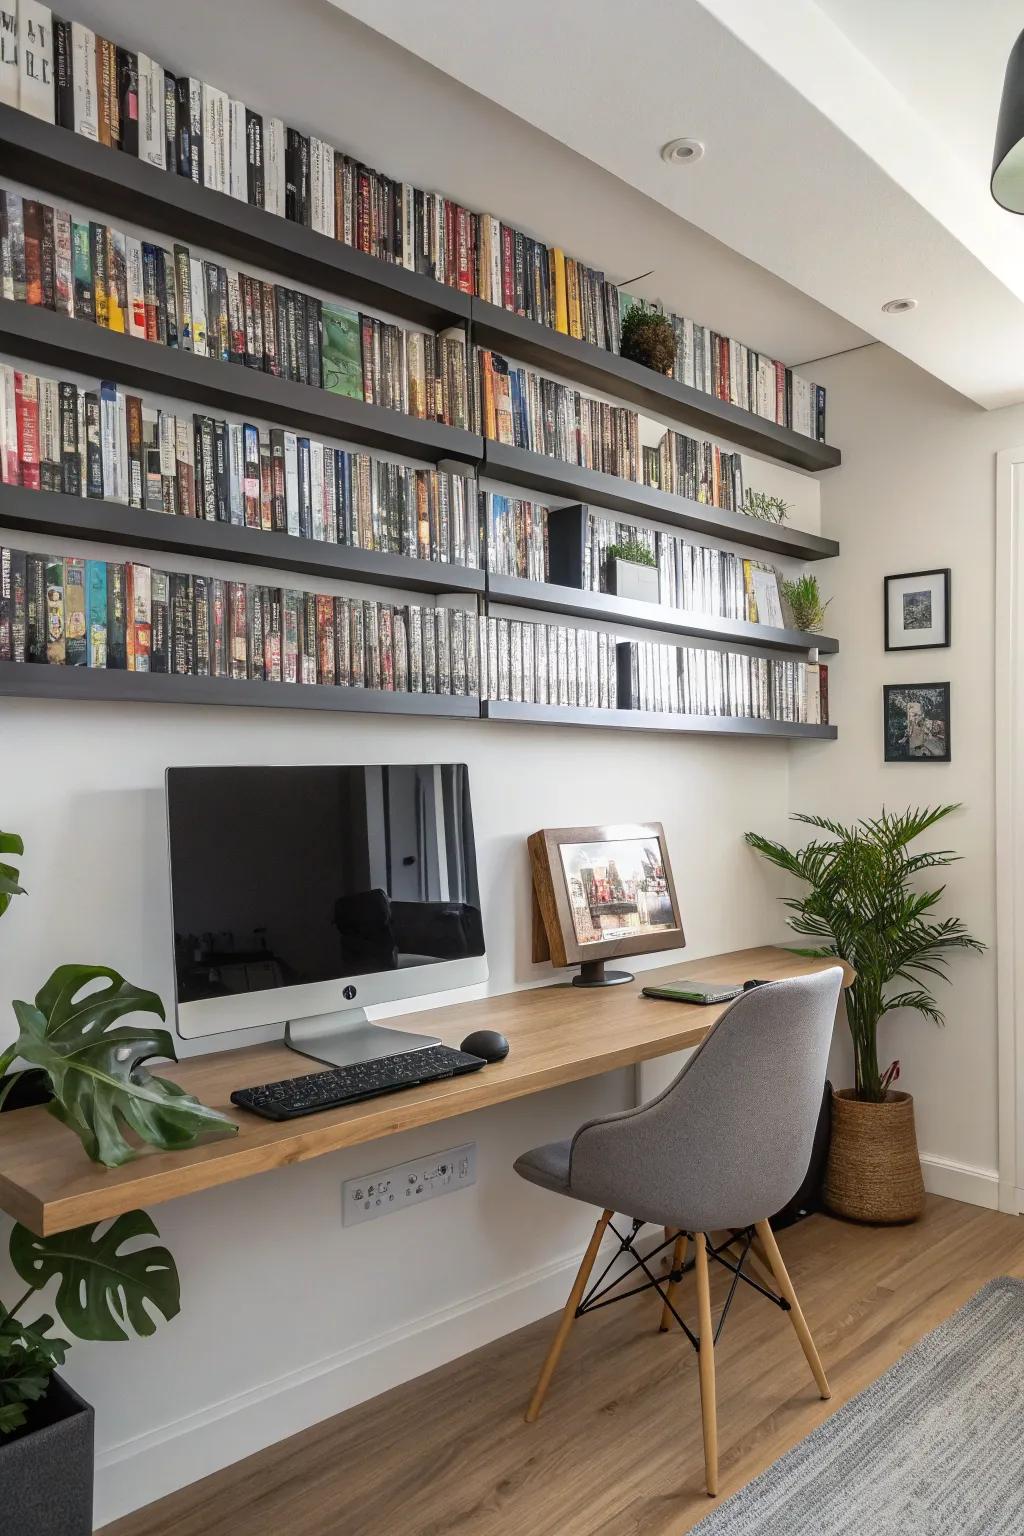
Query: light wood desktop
{"type": "Point", "coordinates": [557, 1034]}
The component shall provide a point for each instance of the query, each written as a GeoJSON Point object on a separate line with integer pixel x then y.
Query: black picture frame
{"type": "Point", "coordinates": [894, 752]}
{"type": "Point", "coordinates": [944, 572]}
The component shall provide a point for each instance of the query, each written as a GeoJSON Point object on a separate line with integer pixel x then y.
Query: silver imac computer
{"type": "Point", "coordinates": [300, 896]}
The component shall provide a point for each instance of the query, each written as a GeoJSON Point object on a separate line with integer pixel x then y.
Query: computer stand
{"type": "Point", "coordinates": [593, 974]}
{"type": "Point", "coordinates": [347, 1037]}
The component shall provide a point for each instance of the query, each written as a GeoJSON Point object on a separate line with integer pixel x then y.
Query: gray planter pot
{"type": "Point", "coordinates": [46, 1469]}
{"type": "Point", "coordinates": [639, 582]}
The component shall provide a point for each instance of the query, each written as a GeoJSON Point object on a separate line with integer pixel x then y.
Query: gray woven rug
{"type": "Point", "coordinates": [935, 1447]}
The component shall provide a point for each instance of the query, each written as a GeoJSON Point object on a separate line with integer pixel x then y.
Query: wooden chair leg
{"type": "Point", "coordinates": [567, 1319]}
{"type": "Point", "coordinates": [796, 1316]}
{"type": "Point", "coordinates": [708, 1409]}
{"type": "Point", "coordinates": [678, 1260]}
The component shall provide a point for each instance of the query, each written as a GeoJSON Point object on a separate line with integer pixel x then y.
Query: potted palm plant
{"type": "Point", "coordinates": [862, 904]}
{"type": "Point", "coordinates": [88, 1068]}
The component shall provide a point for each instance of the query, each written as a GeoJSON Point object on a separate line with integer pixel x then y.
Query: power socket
{"type": "Point", "coordinates": [392, 1189]}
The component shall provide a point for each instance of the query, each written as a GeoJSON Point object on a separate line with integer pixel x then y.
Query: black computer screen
{"type": "Point", "coordinates": [283, 876]}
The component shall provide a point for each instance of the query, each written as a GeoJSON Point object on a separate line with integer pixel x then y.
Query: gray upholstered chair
{"type": "Point", "coordinates": [726, 1145]}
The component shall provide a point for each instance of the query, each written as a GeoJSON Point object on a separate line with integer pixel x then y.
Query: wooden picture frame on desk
{"type": "Point", "coordinates": [563, 906]}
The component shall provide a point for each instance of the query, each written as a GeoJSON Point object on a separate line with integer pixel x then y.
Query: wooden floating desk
{"type": "Point", "coordinates": [557, 1034]}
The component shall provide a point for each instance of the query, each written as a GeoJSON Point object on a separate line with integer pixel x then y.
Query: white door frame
{"type": "Point", "coordinates": [1009, 823]}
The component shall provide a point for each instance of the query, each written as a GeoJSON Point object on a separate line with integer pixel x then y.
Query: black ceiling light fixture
{"type": "Point", "coordinates": [1008, 161]}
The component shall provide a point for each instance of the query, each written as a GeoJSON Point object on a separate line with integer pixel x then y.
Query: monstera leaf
{"type": "Point", "coordinates": [10, 842]}
{"type": "Point", "coordinates": [102, 1292]}
{"type": "Point", "coordinates": [100, 1085]}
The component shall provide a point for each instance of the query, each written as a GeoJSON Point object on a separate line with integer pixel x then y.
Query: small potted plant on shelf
{"type": "Point", "coordinates": [633, 571]}
{"type": "Point", "coordinates": [805, 605]}
{"type": "Point", "coordinates": [646, 336]}
{"type": "Point", "coordinates": [88, 1069]}
{"type": "Point", "coordinates": [861, 905]}
{"type": "Point", "coordinates": [770, 509]}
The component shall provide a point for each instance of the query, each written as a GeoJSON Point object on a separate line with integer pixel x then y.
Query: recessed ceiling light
{"type": "Point", "coordinates": [898, 306]}
{"type": "Point", "coordinates": [682, 151]}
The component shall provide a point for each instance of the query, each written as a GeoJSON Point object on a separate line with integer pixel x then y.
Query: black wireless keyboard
{"type": "Point", "coordinates": [347, 1085]}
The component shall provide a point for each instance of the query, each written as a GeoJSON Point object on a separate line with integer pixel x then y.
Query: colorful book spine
{"type": "Point", "coordinates": [96, 613]}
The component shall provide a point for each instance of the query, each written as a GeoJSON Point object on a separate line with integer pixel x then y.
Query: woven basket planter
{"type": "Point", "coordinates": [874, 1171]}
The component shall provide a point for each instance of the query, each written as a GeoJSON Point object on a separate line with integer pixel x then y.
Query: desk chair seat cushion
{"type": "Point", "coordinates": [547, 1166]}
{"type": "Point", "coordinates": [728, 1142]}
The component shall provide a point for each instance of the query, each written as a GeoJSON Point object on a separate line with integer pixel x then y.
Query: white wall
{"type": "Point", "coordinates": [916, 491]}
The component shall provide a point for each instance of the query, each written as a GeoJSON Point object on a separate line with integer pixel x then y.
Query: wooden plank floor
{"type": "Point", "coordinates": [617, 1450]}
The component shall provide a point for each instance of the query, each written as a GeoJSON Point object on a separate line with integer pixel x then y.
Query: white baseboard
{"type": "Point", "coordinates": [959, 1181]}
{"type": "Point", "coordinates": [151, 1465]}
{"type": "Point", "coordinates": [1011, 1197]}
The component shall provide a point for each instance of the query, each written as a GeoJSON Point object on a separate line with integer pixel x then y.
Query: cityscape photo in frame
{"type": "Point", "coordinates": [602, 892]}
{"type": "Point", "coordinates": [917, 610]}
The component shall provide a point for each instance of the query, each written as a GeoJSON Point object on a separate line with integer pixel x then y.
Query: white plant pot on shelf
{"type": "Point", "coordinates": [638, 582]}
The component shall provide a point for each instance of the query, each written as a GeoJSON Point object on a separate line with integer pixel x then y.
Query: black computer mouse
{"type": "Point", "coordinates": [486, 1043]}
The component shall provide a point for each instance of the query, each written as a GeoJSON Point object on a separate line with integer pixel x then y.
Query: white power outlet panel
{"type": "Point", "coordinates": [391, 1189]}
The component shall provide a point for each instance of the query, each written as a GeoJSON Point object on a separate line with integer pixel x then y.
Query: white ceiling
{"type": "Point", "coordinates": [848, 141]}
{"type": "Point", "coordinates": [946, 57]}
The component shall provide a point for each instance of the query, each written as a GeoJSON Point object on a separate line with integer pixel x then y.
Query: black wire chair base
{"type": "Point", "coordinates": [599, 1293]}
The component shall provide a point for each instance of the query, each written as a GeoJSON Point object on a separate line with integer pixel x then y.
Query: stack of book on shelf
{"type": "Point", "coordinates": [186, 125]}
{"type": "Point", "coordinates": [696, 578]}
{"type": "Point", "coordinates": [730, 371]}
{"type": "Point", "coordinates": [521, 407]}
{"type": "Point", "coordinates": [516, 536]}
{"type": "Point", "coordinates": [696, 468]}
{"type": "Point", "coordinates": [107, 444]}
{"type": "Point", "coordinates": [688, 680]}
{"type": "Point", "coordinates": [63, 72]}
{"type": "Point", "coordinates": [91, 271]}
{"type": "Point", "coordinates": [547, 664]}
{"type": "Point", "coordinates": [93, 613]}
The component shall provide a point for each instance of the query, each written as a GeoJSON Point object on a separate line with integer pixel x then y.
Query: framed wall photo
{"type": "Point", "coordinates": [602, 892]}
{"type": "Point", "coordinates": [916, 722]}
{"type": "Point", "coordinates": [917, 610]}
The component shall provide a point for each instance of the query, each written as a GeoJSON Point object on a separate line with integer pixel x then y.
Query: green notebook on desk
{"type": "Point", "coordinates": [686, 991]}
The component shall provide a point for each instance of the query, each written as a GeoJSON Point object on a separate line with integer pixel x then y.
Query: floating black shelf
{"type": "Point", "coordinates": [550, 598]}
{"type": "Point", "coordinates": [39, 334]}
{"type": "Point", "coordinates": [111, 523]}
{"type": "Point", "coordinates": [649, 720]}
{"type": "Point", "coordinates": [70, 166]}
{"type": "Point", "coordinates": [571, 482]}
{"type": "Point", "coordinates": [21, 680]}
{"type": "Point", "coordinates": [524, 340]}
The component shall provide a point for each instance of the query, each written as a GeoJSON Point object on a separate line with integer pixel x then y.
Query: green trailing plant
{"type": "Point", "coordinates": [103, 1292]}
{"type": "Point", "coordinates": [804, 598]}
{"type": "Point", "coordinates": [861, 904]}
{"type": "Point", "coordinates": [633, 550]}
{"type": "Point", "coordinates": [646, 336]}
{"type": "Point", "coordinates": [770, 509]}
